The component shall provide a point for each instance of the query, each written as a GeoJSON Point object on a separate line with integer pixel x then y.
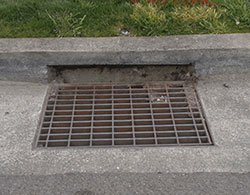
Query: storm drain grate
{"type": "Point", "coordinates": [98, 115]}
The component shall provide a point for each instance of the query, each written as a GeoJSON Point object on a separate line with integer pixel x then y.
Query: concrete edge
{"type": "Point", "coordinates": [27, 59]}
{"type": "Point", "coordinates": [126, 183]}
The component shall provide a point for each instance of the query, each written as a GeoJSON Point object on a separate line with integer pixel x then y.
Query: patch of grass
{"type": "Point", "coordinates": [29, 18]}
{"type": "Point", "coordinates": [67, 24]}
{"type": "Point", "coordinates": [238, 12]}
{"type": "Point", "coordinates": [148, 20]}
{"type": "Point", "coordinates": [204, 18]}
{"type": "Point", "coordinates": [196, 13]}
{"type": "Point", "coordinates": [95, 18]}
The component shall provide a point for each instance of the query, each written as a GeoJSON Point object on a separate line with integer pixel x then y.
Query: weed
{"type": "Point", "coordinates": [205, 18]}
{"type": "Point", "coordinates": [196, 13]}
{"type": "Point", "coordinates": [193, 2]}
{"type": "Point", "coordinates": [151, 1]}
{"type": "Point", "coordinates": [214, 27]}
{"type": "Point", "coordinates": [86, 4]}
{"type": "Point", "coordinates": [149, 19]}
{"type": "Point", "coordinates": [186, 2]}
{"type": "Point", "coordinates": [67, 24]}
{"type": "Point", "coordinates": [238, 11]}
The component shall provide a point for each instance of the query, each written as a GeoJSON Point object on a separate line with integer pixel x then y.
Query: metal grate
{"type": "Point", "coordinates": [149, 114]}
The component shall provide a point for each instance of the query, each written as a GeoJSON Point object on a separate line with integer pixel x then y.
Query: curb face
{"type": "Point", "coordinates": [29, 59]}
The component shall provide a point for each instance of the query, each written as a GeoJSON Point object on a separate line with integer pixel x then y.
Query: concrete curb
{"type": "Point", "coordinates": [126, 184]}
{"type": "Point", "coordinates": [28, 59]}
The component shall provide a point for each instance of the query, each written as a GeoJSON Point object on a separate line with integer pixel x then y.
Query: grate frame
{"type": "Point", "coordinates": [132, 109]}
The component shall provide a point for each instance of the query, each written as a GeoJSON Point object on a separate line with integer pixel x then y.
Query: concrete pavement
{"type": "Point", "coordinates": [128, 184]}
{"type": "Point", "coordinates": [188, 170]}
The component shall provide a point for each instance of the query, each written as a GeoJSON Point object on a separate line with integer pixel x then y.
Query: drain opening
{"type": "Point", "coordinates": [101, 115]}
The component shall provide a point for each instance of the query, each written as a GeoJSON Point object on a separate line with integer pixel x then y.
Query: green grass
{"type": "Point", "coordinates": [96, 18]}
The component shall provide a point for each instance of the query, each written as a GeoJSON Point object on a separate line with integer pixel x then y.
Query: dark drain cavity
{"type": "Point", "coordinates": [119, 73]}
{"type": "Point", "coordinates": [101, 115]}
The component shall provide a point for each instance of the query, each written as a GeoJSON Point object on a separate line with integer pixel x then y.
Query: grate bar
{"type": "Point", "coordinates": [120, 104]}
{"type": "Point", "coordinates": [127, 109]}
{"type": "Point", "coordinates": [113, 118]}
{"type": "Point", "coordinates": [128, 126]}
{"type": "Point", "coordinates": [132, 115]}
{"type": "Point", "coordinates": [105, 99]}
{"type": "Point", "coordinates": [126, 132]}
{"type": "Point", "coordinates": [203, 120]}
{"type": "Point", "coordinates": [144, 114]}
{"type": "Point", "coordinates": [92, 118]}
{"type": "Point", "coordinates": [51, 120]}
{"type": "Point", "coordinates": [72, 120]}
{"type": "Point", "coordinates": [119, 94]}
{"type": "Point", "coordinates": [136, 120]}
{"type": "Point", "coordinates": [126, 89]}
{"type": "Point", "coordinates": [172, 115]}
{"type": "Point", "coordinates": [137, 126]}
{"type": "Point", "coordinates": [194, 120]}
{"type": "Point", "coordinates": [106, 139]}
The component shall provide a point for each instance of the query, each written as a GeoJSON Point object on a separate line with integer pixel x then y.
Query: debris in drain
{"type": "Point", "coordinates": [121, 73]}
{"type": "Point", "coordinates": [158, 98]}
{"type": "Point", "coordinates": [52, 95]}
{"type": "Point", "coordinates": [124, 32]}
{"type": "Point", "coordinates": [183, 76]}
{"type": "Point", "coordinates": [191, 99]}
{"type": "Point", "coordinates": [141, 72]}
{"type": "Point", "coordinates": [225, 85]}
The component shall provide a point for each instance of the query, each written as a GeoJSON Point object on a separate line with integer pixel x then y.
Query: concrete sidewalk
{"type": "Point", "coordinates": [190, 170]}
